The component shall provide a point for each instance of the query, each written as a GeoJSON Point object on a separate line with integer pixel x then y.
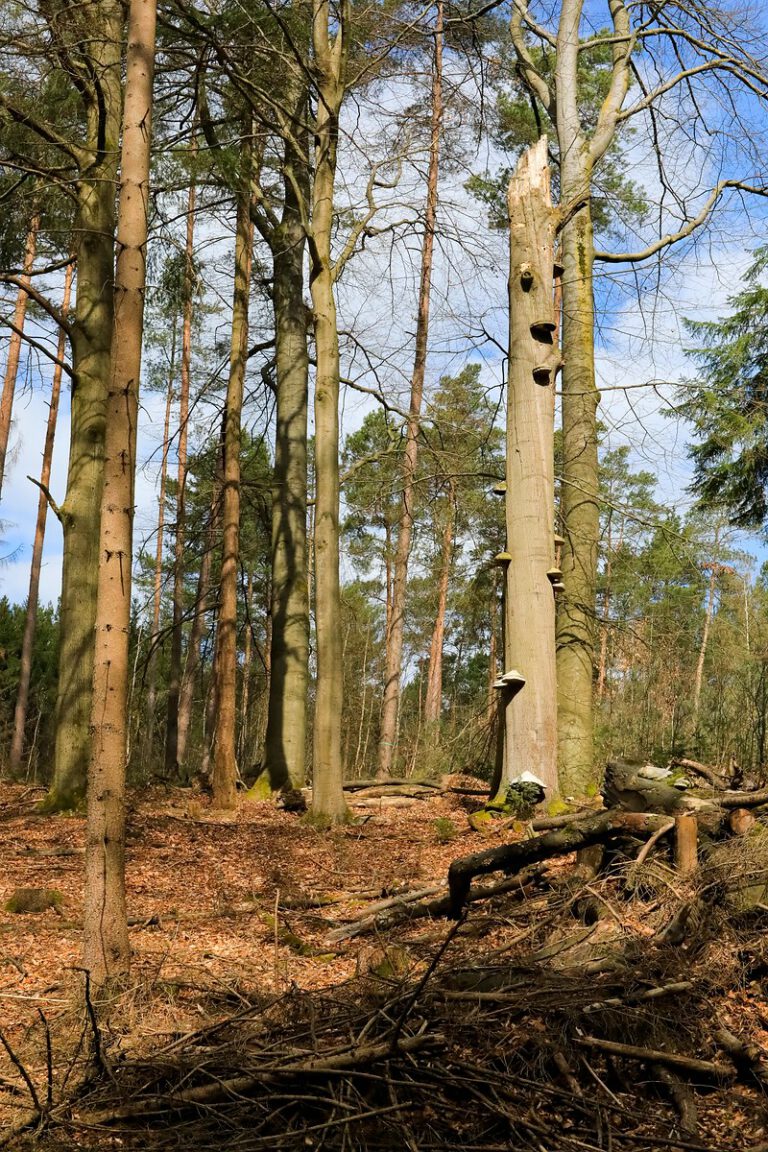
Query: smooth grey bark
{"type": "Point", "coordinates": [530, 717]}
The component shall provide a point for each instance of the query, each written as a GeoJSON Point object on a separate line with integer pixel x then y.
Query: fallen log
{"type": "Point", "coordinates": [509, 858]}
{"type": "Point", "coordinates": [655, 1056]}
{"type": "Point", "coordinates": [747, 1056]}
{"type": "Point", "coordinates": [404, 910]}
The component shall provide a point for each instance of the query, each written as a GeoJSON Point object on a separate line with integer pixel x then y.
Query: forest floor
{"type": "Point", "coordinates": [252, 1023]}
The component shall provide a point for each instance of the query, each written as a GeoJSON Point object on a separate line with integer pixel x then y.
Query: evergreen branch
{"type": "Point", "coordinates": [42, 129]}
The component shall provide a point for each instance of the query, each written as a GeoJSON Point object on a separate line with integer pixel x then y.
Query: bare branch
{"type": "Point", "coordinates": [50, 309]}
{"type": "Point", "coordinates": [688, 228]}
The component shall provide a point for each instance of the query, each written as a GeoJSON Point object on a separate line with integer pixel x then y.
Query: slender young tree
{"type": "Point", "coordinates": [157, 591]}
{"type": "Point", "coordinates": [172, 759]}
{"type": "Point", "coordinates": [390, 708]}
{"type": "Point", "coordinates": [224, 749]}
{"type": "Point", "coordinates": [105, 927]}
{"type": "Point", "coordinates": [329, 39]}
{"type": "Point", "coordinates": [28, 640]}
{"type": "Point", "coordinates": [15, 341]}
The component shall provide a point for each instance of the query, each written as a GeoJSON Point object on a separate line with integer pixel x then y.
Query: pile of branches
{"type": "Point", "coordinates": [508, 1052]}
{"type": "Point", "coordinates": [548, 1042]}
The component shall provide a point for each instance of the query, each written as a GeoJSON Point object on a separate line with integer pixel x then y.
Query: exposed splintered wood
{"type": "Point", "coordinates": [560, 842]}
{"type": "Point", "coordinates": [686, 844]}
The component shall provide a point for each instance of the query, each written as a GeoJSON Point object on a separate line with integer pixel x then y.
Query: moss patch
{"type": "Point", "coordinates": [34, 900]}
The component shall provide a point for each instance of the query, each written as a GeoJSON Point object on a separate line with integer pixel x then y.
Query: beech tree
{"type": "Point", "coordinates": [687, 48]}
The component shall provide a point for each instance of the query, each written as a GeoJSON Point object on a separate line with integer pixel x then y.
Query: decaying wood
{"type": "Point", "coordinates": [644, 852]}
{"type": "Point", "coordinates": [510, 858]}
{"type": "Point", "coordinates": [640, 997]}
{"type": "Point", "coordinates": [686, 843]}
{"type": "Point", "coordinates": [709, 774]}
{"type": "Point", "coordinates": [219, 1090]}
{"type": "Point", "coordinates": [545, 823]}
{"type": "Point", "coordinates": [681, 1097]}
{"type": "Point", "coordinates": [524, 885]}
{"type": "Point", "coordinates": [392, 785]}
{"type": "Point", "coordinates": [655, 1056]}
{"type": "Point", "coordinates": [747, 1056]}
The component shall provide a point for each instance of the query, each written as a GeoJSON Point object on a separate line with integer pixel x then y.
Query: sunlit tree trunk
{"type": "Point", "coordinates": [245, 691]}
{"type": "Point", "coordinates": [433, 701]}
{"type": "Point", "coordinates": [197, 631]}
{"type": "Point", "coordinates": [14, 344]}
{"type": "Point", "coordinates": [106, 950]}
{"type": "Point", "coordinates": [396, 618]}
{"type": "Point", "coordinates": [30, 620]}
{"type": "Point", "coordinates": [709, 612]}
{"type": "Point", "coordinates": [330, 57]}
{"type": "Point", "coordinates": [94, 230]}
{"type": "Point", "coordinates": [150, 707]}
{"type": "Point", "coordinates": [286, 736]}
{"type": "Point", "coordinates": [224, 780]}
{"type": "Point", "coordinates": [530, 716]}
{"type": "Point", "coordinates": [172, 758]}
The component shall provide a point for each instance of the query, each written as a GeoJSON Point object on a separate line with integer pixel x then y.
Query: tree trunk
{"type": "Point", "coordinates": [172, 758]}
{"type": "Point", "coordinates": [579, 511]}
{"type": "Point", "coordinates": [602, 665]}
{"type": "Point", "coordinates": [529, 632]}
{"type": "Point", "coordinates": [14, 343]}
{"type": "Point", "coordinates": [579, 486]}
{"type": "Point", "coordinates": [224, 780]}
{"type": "Point", "coordinates": [91, 364]}
{"type": "Point", "coordinates": [708, 614]}
{"type": "Point", "coordinates": [286, 738]}
{"type": "Point", "coordinates": [330, 57]}
{"type": "Point", "coordinates": [388, 736]}
{"type": "Point", "coordinates": [245, 691]}
{"type": "Point", "coordinates": [148, 721]}
{"type": "Point", "coordinates": [30, 622]}
{"type": "Point", "coordinates": [106, 950]}
{"type": "Point", "coordinates": [433, 703]}
{"type": "Point", "coordinates": [196, 632]}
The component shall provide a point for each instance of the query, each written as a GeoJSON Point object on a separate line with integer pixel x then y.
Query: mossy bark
{"type": "Point", "coordinates": [94, 232]}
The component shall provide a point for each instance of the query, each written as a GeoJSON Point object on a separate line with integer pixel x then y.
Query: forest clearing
{"type": "Point", "coordinates": [289, 990]}
{"type": "Point", "coordinates": [383, 586]}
